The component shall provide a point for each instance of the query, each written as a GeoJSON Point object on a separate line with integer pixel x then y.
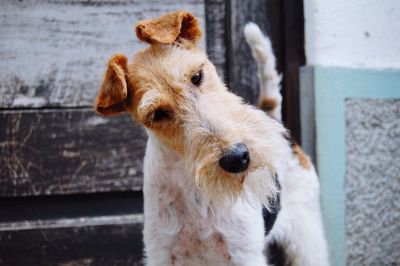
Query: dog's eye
{"type": "Point", "coordinates": [196, 78]}
{"type": "Point", "coordinates": [161, 115]}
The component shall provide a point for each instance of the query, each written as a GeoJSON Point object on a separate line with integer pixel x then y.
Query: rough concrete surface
{"type": "Point", "coordinates": [373, 182]}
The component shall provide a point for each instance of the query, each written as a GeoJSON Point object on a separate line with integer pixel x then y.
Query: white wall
{"type": "Point", "coordinates": [353, 33]}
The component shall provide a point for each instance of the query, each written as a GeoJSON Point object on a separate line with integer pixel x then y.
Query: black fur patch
{"type": "Point", "coordinates": [276, 255]}
{"type": "Point", "coordinates": [270, 216]}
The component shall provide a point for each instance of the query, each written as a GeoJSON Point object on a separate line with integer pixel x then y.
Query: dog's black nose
{"type": "Point", "coordinates": [236, 159]}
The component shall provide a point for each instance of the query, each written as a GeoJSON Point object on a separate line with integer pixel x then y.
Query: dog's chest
{"type": "Point", "coordinates": [188, 227]}
{"type": "Point", "coordinates": [196, 241]}
{"type": "Point", "coordinates": [192, 248]}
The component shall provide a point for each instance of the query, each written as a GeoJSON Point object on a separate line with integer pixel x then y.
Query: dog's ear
{"type": "Point", "coordinates": [169, 28]}
{"type": "Point", "coordinates": [113, 93]}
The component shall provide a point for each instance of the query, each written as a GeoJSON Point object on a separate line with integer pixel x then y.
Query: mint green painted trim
{"type": "Point", "coordinates": [332, 87]}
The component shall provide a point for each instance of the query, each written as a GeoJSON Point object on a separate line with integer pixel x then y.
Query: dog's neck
{"type": "Point", "coordinates": [164, 161]}
{"type": "Point", "coordinates": [166, 173]}
{"type": "Point", "coordinates": [164, 166]}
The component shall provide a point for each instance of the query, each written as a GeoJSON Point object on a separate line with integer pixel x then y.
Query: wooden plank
{"type": "Point", "coordinates": [103, 241]}
{"type": "Point", "coordinates": [216, 27]}
{"type": "Point", "coordinates": [274, 29]}
{"type": "Point", "coordinates": [68, 151]}
{"type": "Point", "coordinates": [53, 53]}
{"type": "Point", "coordinates": [73, 206]}
{"type": "Point", "coordinates": [293, 30]}
{"type": "Point", "coordinates": [72, 222]}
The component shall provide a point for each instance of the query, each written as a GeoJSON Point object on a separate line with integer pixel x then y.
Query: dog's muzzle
{"type": "Point", "coordinates": [236, 159]}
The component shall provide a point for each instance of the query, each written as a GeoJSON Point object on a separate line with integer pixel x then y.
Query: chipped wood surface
{"type": "Point", "coordinates": [53, 53]}
{"type": "Point", "coordinates": [103, 241]}
{"type": "Point", "coordinates": [217, 34]}
{"type": "Point", "coordinates": [68, 151]}
{"type": "Point", "coordinates": [72, 222]}
{"type": "Point", "coordinates": [27, 211]}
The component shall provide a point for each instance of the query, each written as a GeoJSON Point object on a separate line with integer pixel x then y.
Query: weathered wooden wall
{"type": "Point", "coordinates": [63, 151]}
{"type": "Point", "coordinates": [53, 53]}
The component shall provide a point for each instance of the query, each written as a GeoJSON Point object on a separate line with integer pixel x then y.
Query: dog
{"type": "Point", "coordinates": [212, 162]}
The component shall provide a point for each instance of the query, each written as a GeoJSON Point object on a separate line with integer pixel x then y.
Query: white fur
{"type": "Point", "coordinates": [149, 99]}
{"type": "Point", "coordinates": [299, 227]}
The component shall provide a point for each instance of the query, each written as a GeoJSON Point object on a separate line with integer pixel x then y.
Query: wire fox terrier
{"type": "Point", "coordinates": [213, 162]}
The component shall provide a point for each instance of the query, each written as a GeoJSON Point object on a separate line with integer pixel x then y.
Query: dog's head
{"type": "Point", "coordinates": [173, 90]}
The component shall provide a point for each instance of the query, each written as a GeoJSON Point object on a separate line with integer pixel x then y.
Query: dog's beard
{"type": "Point", "coordinates": [224, 189]}
{"type": "Point", "coordinates": [260, 185]}
{"type": "Point", "coordinates": [214, 184]}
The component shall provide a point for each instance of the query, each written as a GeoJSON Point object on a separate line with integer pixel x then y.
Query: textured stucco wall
{"type": "Point", "coordinates": [373, 182]}
{"type": "Point", "coordinates": [353, 33]}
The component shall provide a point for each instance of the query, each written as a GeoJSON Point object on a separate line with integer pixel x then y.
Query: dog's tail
{"type": "Point", "coordinates": [270, 99]}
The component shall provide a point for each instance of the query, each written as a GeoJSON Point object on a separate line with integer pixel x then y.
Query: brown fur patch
{"type": "Point", "coordinates": [114, 88]}
{"type": "Point", "coordinates": [179, 203]}
{"type": "Point", "coordinates": [173, 259]}
{"type": "Point", "coordinates": [190, 243]}
{"type": "Point", "coordinates": [268, 104]}
{"type": "Point", "coordinates": [221, 247]}
{"type": "Point", "coordinates": [301, 156]}
{"type": "Point", "coordinates": [168, 28]}
{"type": "Point", "coordinates": [241, 180]}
